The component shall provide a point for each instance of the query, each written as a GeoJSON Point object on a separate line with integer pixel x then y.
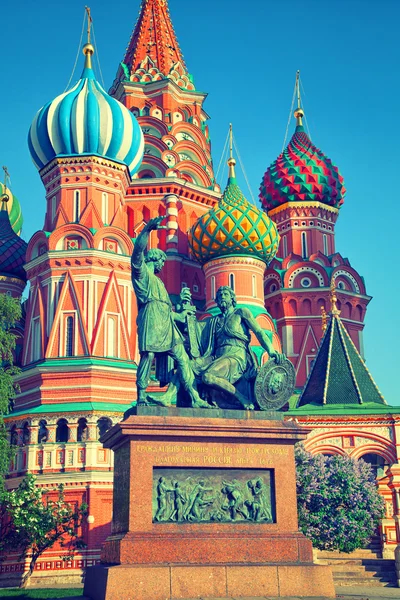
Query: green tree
{"type": "Point", "coordinates": [338, 503]}
{"type": "Point", "coordinates": [35, 519]}
{"type": "Point", "coordinates": [10, 313]}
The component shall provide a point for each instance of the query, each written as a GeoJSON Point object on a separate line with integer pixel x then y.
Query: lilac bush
{"type": "Point", "coordinates": [338, 503]}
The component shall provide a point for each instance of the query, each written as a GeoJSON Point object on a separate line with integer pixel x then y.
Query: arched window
{"type": "Point", "coordinates": [104, 208]}
{"type": "Point", "coordinates": [232, 281]}
{"type": "Point", "coordinates": [325, 242]}
{"type": "Point", "coordinates": [77, 205]}
{"type": "Point", "coordinates": [292, 308]}
{"type": "Point", "coordinates": [53, 207]}
{"type": "Point", "coordinates": [146, 111]}
{"type": "Point", "coordinates": [69, 337]}
{"type": "Point", "coordinates": [14, 436]}
{"type": "Point", "coordinates": [112, 337]}
{"type": "Point", "coordinates": [284, 246]}
{"type": "Point", "coordinates": [36, 343]}
{"type": "Point", "coordinates": [62, 431]}
{"type": "Point", "coordinates": [304, 250]}
{"type": "Point", "coordinates": [254, 286]}
{"type": "Point", "coordinates": [82, 434]}
{"type": "Point", "coordinates": [26, 434]}
{"type": "Point", "coordinates": [377, 462]}
{"type": "Point", "coordinates": [306, 307]}
{"type": "Point", "coordinates": [103, 425]}
{"type": "Point", "coordinates": [213, 287]}
{"type": "Point", "coordinates": [43, 432]}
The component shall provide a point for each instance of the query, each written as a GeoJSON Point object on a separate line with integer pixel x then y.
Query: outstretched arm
{"type": "Point", "coordinates": [261, 336]}
{"type": "Point", "coordinates": [143, 238]}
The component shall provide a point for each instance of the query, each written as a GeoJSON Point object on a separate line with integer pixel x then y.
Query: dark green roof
{"type": "Point", "coordinates": [339, 375]}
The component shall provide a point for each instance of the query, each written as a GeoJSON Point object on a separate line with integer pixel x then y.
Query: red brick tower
{"type": "Point", "coordinates": [176, 177]}
{"type": "Point", "coordinates": [80, 351]}
{"type": "Point", "coordinates": [78, 374]}
{"type": "Point", "coordinates": [302, 192]}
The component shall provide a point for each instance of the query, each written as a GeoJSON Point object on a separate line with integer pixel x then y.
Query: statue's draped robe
{"type": "Point", "coordinates": [156, 327]}
{"type": "Point", "coordinates": [237, 347]}
{"type": "Point", "coordinates": [241, 366]}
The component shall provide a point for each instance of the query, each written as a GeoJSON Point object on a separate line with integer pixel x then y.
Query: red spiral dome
{"type": "Point", "coordinates": [301, 173]}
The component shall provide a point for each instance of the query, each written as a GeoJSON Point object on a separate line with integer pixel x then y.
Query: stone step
{"type": "Point", "coordinates": [361, 572]}
{"type": "Point", "coordinates": [363, 582]}
{"type": "Point", "coordinates": [341, 561]}
{"type": "Point", "coordinates": [381, 565]}
{"type": "Point", "coordinates": [366, 575]}
{"type": "Point", "coordinates": [364, 553]}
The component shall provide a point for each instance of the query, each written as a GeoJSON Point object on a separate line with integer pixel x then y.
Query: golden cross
{"type": "Point", "coordinates": [5, 197]}
{"type": "Point", "coordinates": [6, 177]}
{"type": "Point", "coordinates": [90, 20]}
{"type": "Point", "coordinates": [298, 89]}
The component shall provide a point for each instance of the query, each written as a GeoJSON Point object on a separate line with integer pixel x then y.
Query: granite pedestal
{"type": "Point", "coordinates": [157, 553]}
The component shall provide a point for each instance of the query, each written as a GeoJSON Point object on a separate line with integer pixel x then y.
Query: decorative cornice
{"type": "Point", "coordinates": [80, 160]}
{"type": "Point", "coordinates": [290, 205]}
{"type": "Point", "coordinates": [234, 260]}
{"type": "Point", "coordinates": [15, 280]}
{"type": "Point", "coordinates": [84, 255]}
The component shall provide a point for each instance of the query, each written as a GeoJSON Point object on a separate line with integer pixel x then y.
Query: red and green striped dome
{"type": "Point", "coordinates": [233, 227]}
{"type": "Point", "coordinates": [302, 173]}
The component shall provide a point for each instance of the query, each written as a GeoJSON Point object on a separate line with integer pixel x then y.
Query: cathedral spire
{"type": "Point", "coordinates": [231, 160]}
{"type": "Point", "coordinates": [299, 112]}
{"type": "Point", "coordinates": [153, 48]}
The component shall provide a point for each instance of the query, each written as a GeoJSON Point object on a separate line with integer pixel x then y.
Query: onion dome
{"type": "Point", "coordinates": [12, 247]}
{"type": "Point", "coordinates": [13, 208]}
{"type": "Point", "coordinates": [234, 226]}
{"type": "Point", "coordinates": [302, 173]}
{"type": "Point", "coordinates": [85, 120]}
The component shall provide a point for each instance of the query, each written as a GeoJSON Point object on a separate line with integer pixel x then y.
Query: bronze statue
{"type": "Point", "coordinates": [157, 331]}
{"type": "Point", "coordinates": [259, 509]}
{"type": "Point", "coordinates": [197, 502]}
{"type": "Point", "coordinates": [162, 491]}
{"type": "Point", "coordinates": [179, 503]}
{"type": "Point", "coordinates": [226, 355]}
{"type": "Point", "coordinates": [212, 362]}
{"type": "Point", "coordinates": [212, 497]}
{"type": "Point", "coordinates": [234, 503]}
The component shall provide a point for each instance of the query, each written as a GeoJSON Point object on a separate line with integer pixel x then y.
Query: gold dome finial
{"type": "Point", "coordinates": [231, 160]}
{"type": "Point", "coordinates": [5, 197]}
{"type": "Point", "coordinates": [299, 112]}
{"type": "Point", "coordinates": [333, 299]}
{"type": "Point", "coordinates": [88, 48]}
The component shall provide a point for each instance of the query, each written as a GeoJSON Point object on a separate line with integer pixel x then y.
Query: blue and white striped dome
{"type": "Point", "coordinates": [86, 120]}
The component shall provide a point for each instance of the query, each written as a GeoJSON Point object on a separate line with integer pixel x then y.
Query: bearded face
{"type": "Point", "coordinates": [276, 382]}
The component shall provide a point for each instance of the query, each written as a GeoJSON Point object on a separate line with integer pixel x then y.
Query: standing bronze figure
{"type": "Point", "coordinates": [157, 331]}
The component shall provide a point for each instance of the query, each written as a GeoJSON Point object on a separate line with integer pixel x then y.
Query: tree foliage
{"type": "Point", "coordinates": [10, 313]}
{"type": "Point", "coordinates": [35, 519]}
{"type": "Point", "coordinates": [338, 502]}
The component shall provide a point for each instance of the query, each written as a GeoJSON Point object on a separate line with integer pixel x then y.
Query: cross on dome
{"type": "Point", "coordinates": [85, 120]}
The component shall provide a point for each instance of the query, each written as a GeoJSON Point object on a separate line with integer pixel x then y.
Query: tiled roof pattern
{"type": "Point", "coordinates": [234, 226]}
{"type": "Point", "coordinates": [301, 173]}
{"type": "Point", "coordinates": [153, 49]}
{"type": "Point", "coordinates": [339, 374]}
{"type": "Point", "coordinates": [12, 249]}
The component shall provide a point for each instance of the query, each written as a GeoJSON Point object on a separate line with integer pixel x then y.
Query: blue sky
{"type": "Point", "coordinates": [245, 55]}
